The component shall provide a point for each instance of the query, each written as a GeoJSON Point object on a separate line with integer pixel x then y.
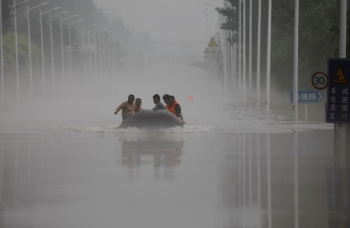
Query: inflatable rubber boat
{"type": "Point", "coordinates": [151, 118]}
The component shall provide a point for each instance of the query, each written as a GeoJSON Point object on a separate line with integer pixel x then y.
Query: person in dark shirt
{"type": "Point", "coordinates": [166, 99]}
{"type": "Point", "coordinates": [159, 104]}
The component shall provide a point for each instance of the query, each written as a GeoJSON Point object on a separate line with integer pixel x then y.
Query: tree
{"type": "Point", "coordinates": [23, 55]}
{"type": "Point", "coordinates": [317, 18]}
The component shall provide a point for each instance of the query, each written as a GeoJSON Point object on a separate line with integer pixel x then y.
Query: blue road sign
{"type": "Point", "coordinates": [307, 96]}
{"type": "Point", "coordinates": [338, 99]}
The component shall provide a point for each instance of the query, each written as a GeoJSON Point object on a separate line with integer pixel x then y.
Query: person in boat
{"type": "Point", "coordinates": [166, 99]}
{"type": "Point", "coordinates": [158, 104]}
{"type": "Point", "coordinates": [138, 103]}
{"type": "Point", "coordinates": [175, 108]}
{"type": "Point", "coordinates": [127, 107]}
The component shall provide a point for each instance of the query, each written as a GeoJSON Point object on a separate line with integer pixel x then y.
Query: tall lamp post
{"type": "Point", "coordinates": [244, 54]}
{"type": "Point", "coordinates": [296, 59]}
{"type": "Point", "coordinates": [62, 45]}
{"type": "Point", "coordinates": [39, 18]}
{"type": "Point", "coordinates": [114, 54]}
{"type": "Point", "coordinates": [250, 46]}
{"type": "Point", "coordinates": [2, 59]}
{"type": "Point", "coordinates": [82, 31]}
{"type": "Point", "coordinates": [27, 16]}
{"type": "Point", "coordinates": [105, 50]}
{"type": "Point", "coordinates": [13, 11]}
{"type": "Point", "coordinates": [90, 58]}
{"type": "Point", "coordinates": [70, 46]}
{"type": "Point", "coordinates": [240, 78]}
{"type": "Point", "coordinates": [49, 22]}
{"type": "Point", "coordinates": [258, 58]}
{"type": "Point", "coordinates": [95, 44]}
{"type": "Point", "coordinates": [102, 52]}
{"type": "Point", "coordinates": [268, 60]}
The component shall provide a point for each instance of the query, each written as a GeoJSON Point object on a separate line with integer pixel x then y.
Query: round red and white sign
{"type": "Point", "coordinates": [319, 80]}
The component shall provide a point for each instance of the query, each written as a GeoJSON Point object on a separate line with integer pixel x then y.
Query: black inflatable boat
{"type": "Point", "coordinates": [151, 118]}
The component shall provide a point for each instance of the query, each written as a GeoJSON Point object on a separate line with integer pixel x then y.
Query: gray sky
{"type": "Point", "coordinates": [166, 20]}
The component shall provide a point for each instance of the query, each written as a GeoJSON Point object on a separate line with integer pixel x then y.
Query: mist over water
{"type": "Point", "coordinates": [64, 163]}
{"type": "Point", "coordinates": [90, 106]}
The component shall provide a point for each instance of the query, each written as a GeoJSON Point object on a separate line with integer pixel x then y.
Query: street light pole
{"type": "Point", "coordinates": [109, 55]}
{"type": "Point", "coordinates": [90, 59]}
{"type": "Point", "coordinates": [2, 59]}
{"type": "Point", "coordinates": [82, 31]}
{"type": "Point", "coordinates": [13, 11]}
{"type": "Point", "coordinates": [240, 48]}
{"type": "Point", "coordinates": [244, 54]}
{"type": "Point", "coordinates": [342, 131]}
{"type": "Point", "coordinates": [70, 47]}
{"type": "Point", "coordinates": [268, 59]}
{"type": "Point", "coordinates": [95, 53]}
{"type": "Point", "coordinates": [104, 55]}
{"type": "Point", "coordinates": [39, 18]}
{"type": "Point", "coordinates": [258, 58]}
{"type": "Point", "coordinates": [62, 46]}
{"type": "Point", "coordinates": [234, 50]}
{"type": "Point", "coordinates": [102, 52]}
{"type": "Point", "coordinates": [52, 55]}
{"type": "Point", "coordinates": [27, 16]}
{"type": "Point", "coordinates": [115, 56]}
{"type": "Point", "coordinates": [296, 64]}
{"type": "Point", "coordinates": [250, 46]}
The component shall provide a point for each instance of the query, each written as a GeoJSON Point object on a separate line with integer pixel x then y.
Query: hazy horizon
{"type": "Point", "coordinates": [180, 23]}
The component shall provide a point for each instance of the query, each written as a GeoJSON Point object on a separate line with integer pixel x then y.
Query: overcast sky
{"type": "Point", "coordinates": [165, 20]}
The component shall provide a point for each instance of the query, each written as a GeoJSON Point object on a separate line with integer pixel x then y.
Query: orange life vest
{"type": "Point", "coordinates": [172, 108]}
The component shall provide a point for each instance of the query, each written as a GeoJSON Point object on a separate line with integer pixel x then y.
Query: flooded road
{"type": "Point", "coordinates": [254, 173]}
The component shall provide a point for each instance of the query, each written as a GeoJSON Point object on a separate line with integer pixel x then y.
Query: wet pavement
{"type": "Point", "coordinates": [276, 175]}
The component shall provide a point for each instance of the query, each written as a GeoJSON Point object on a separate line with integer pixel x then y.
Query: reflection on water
{"type": "Point", "coordinates": [265, 188]}
{"type": "Point", "coordinates": [339, 197]}
{"type": "Point", "coordinates": [264, 180]}
{"type": "Point", "coordinates": [159, 150]}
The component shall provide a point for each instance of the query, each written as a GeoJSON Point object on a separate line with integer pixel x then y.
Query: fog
{"type": "Point", "coordinates": [64, 162]}
{"type": "Point", "coordinates": [166, 21]}
{"type": "Point", "coordinates": [86, 103]}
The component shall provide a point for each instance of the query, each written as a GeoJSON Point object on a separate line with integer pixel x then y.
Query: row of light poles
{"type": "Point", "coordinates": [102, 47]}
{"type": "Point", "coordinates": [27, 16]}
{"type": "Point", "coordinates": [241, 75]}
{"type": "Point", "coordinates": [49, 22]}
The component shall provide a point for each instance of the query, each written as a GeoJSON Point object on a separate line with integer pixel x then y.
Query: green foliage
{"type": "Point", "coordinates": [91, 14]}
{"type": "Point", "coordinates": [315, 42]}
{"type": "Point", "coordinates": [318, 37]}
{"type": "Point", "coordinates": [23, 53]}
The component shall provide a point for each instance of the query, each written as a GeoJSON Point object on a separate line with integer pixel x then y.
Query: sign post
{"type": "Point", "coordinates": [338, 99]}
{"type": "Point", "coordinates": [307, 96]}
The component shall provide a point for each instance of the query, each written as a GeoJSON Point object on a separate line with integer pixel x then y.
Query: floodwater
{"type": "Point", "coordinates": [236, 168]}
{"type": "Point", "coordinates": [63, 163]}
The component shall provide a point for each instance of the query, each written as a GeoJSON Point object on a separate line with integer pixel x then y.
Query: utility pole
{"type": "Point", "coordinates": [296, 59]}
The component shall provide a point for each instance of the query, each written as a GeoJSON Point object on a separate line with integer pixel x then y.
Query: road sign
{"type": "Point", "coordinates": [212, 43]}
{"type": "Point", "coordinates": [319, 80]}
{"type": "Point", "coordinates": [340, 78]}
{"type": "Point", "coordinates": [307, 96]}
{"type": "Point", "coordinates": [338, 99]}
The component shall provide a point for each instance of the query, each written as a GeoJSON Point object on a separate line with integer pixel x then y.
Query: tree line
{"type": "Point", "coordinates": [318, 37]}
{"type": "Point", "coordinates": [85, 9]}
